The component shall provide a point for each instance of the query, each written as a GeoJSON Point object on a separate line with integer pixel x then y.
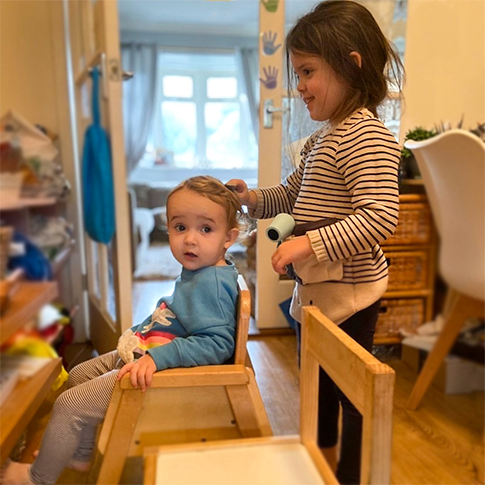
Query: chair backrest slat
{"type": "Point", "coordinates": [366, 382]}
{"type": "Point", "coordinates": [242, 321]}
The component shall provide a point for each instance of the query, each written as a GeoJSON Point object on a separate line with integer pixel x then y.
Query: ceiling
{"type": "Point", "coordinates": [229, 17]}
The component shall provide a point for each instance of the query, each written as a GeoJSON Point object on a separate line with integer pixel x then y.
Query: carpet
{"type": "Point", "coordinates": [157, 263]}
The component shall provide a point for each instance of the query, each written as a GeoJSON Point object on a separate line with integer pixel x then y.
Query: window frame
{"type": "Point", "coordinates": [200, 98]}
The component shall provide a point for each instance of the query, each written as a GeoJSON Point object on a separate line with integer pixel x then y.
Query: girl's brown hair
{"type": "Point", "coordinates": [333, 30]}
{"type": "Point", "coordinates": [216, 191]}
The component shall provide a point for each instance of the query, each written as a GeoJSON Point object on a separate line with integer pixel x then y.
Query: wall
{"type": "Point", "coordinates": [27, 62]}
{"type": "Point", "coordinates": [34, 84]}
{"type": "Point", "coordinates": [445, 63]}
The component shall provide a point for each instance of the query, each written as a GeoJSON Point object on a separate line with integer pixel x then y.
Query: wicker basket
{"type": "Point", "coordinates": [407, 313]}
{"type": "Point", "coordinates": [414, 225]}
{"type": "Point", "coordinates": [408, 270]}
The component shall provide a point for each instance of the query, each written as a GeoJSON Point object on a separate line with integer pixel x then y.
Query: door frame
{"type": "Point", "coordinates": [271, 290]}
{"type": "Point", "coordinates": [89, 23]}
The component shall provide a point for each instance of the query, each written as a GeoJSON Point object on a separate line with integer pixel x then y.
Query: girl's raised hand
{"type": "Point", "coordinates": [141, 372]}
{"type": "Point", "coordinates": [291, 251]}
{"type": "Point", "coordinates": [243, 193]}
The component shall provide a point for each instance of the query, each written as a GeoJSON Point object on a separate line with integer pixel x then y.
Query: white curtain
{"type": "Point", "coordinates": [247, 62]}
{"type": "Point", "coordinates": [138, 98]}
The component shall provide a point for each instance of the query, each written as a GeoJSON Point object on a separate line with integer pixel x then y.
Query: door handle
{"type": "Point", "coordinates": [269, 110]}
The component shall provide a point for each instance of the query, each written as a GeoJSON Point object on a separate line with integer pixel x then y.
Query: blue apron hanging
{"type": "Point", "coordinates": [98, 192]}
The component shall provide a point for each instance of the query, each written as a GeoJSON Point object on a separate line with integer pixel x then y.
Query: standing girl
{"type": "Point", "coordinates": [348, 174]}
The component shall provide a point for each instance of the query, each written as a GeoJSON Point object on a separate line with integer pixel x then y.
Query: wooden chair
{"type": "Point", "coordinates": [368, 383]}
{"type": "Point", "coordinates": [188, 404]}
{"type": "Point", "coordinates": [453, 169]}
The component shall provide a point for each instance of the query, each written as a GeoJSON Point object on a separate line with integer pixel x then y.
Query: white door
{"type": "Point", "coordinates": [271, 290]}
{"type": "Point", "coordinates": [94, 39]}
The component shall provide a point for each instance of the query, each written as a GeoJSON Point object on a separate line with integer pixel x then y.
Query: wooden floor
{"type": "Point", "coordinates": [439, 444]}
{"type": "Point", "coordinates": [442, 441]}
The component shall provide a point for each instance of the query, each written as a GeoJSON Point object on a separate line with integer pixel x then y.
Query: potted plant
{"type": "Point", "coordinates": [408, 162]}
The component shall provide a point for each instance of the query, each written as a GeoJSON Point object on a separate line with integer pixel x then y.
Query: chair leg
{"type": "Point", "coordinates": [450, 300]}
{"type": "Point", "coordinates": [258, 405]}
{"type": "Point", "coordinates": [119, 440]}
{"type": "Point", "coordinates": [248, 408]}
{"type": "Point", "coordinates": [460, 309]}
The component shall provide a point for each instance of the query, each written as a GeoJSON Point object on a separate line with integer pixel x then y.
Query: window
{"type": "Point", "coordinates": [202, 119]}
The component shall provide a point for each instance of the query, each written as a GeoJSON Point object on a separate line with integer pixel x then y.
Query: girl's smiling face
{"type": "Point", "coordinates": [319, 86]}
{"type": "Point", "coordinates": [198, 232]}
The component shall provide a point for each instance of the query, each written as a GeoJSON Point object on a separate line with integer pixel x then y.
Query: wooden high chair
{"type": "Point", "coordinates": [184, 405]}
{"type": "Point", "coordinates": [368, 383]}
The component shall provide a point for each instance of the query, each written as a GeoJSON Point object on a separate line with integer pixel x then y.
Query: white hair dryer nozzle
{"type": "Point", "coordinates": [280, 228]}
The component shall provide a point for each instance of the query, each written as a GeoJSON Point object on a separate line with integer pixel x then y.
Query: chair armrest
{"type": "Point", "coordinates": [207, 375]}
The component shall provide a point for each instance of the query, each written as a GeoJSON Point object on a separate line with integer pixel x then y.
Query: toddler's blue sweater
{"type": "Point", "coordinates": [196, 324]}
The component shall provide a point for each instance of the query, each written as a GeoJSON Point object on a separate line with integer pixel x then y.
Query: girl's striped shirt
{"type": "Point", "coordinates": [350, 174]}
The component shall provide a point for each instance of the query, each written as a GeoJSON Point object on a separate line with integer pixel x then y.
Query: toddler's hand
{"type": "Point", "coordinates": [141, 372]}
{"type": "Point", "coordinates": [291, 251]}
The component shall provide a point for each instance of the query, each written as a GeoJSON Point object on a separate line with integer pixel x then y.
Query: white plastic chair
{"type": "Point", "coordinates": [453, 169]}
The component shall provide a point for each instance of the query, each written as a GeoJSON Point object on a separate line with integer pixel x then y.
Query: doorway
{"type": "Point", "coordinates": [217, 30]}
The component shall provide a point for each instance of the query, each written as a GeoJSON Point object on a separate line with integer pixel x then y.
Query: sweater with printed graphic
{"type": "Point", "coordinates": [196, 325]}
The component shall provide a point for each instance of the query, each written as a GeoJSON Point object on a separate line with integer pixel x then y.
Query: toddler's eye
{"type": "Point", "coordinates": [179, 227]}
{"type": "Point", "coordinates": [206, 230]}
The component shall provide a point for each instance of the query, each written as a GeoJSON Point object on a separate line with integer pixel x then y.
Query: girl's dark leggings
{"type": "Point", "coordinates": [361, 328]}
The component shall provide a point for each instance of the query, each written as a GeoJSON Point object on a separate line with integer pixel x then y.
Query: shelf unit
{"type": "Point", "coordinates": [24, 305]}
{"type": "Point", "coordinates": [27, 396]}
{"type": "Point", "coordinates": [18, 212]}
{"type": "Point", "coordinates": [22, 404]}
{"type": "Point", "coordinates": [411, 255]}
{"type": "Point", "coordinates": [26, 202]}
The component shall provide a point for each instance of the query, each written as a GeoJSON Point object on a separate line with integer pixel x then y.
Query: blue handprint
{"type": "Point", "coordinates": [271, 74]}
{"type": "Point", "coordinates": [269, 47]}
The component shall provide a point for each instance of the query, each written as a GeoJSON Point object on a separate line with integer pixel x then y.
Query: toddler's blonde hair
{"type": "Point", "coordinates": [216, 191]}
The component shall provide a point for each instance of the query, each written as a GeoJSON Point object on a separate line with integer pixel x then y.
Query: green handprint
{"type": "Point", "coordinates": [270, 5]}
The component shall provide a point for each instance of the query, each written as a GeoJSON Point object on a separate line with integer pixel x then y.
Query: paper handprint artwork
{"type": "Point", "coordinates": [269, 47]}
{"type": "Point", "coordinates": [271, 77]}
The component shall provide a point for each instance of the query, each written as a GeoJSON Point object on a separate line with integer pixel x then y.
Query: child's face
{"type": "Point", "coordinates": [319, 86]}
{"type": "Point", "coordinates": [198, 232]}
